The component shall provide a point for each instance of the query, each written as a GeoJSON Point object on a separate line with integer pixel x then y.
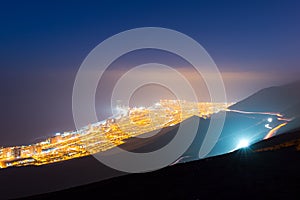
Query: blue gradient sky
{"type": "Point", "coordinates": [254, 43]}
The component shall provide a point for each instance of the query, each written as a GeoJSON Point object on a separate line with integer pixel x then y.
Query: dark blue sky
{"type": "Point", "coordinates": [43, 44]}
{"type": "Point", "coordinates": [244, 35]}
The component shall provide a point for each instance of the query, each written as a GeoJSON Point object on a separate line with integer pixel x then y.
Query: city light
{"type": "Point", "coordinates": [105, 135]}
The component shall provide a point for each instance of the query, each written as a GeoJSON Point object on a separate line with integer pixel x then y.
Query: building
{"type": "Point", "coordinates": [16, 152]}
{"type": "Point", "coordinates": [2, 164]}
{"type": "Point", "coordinates": [55, 139]}
{"type": "Point", "coordinates": [6, 152]}
{"type": "Point", "coordinates": [37, 149]}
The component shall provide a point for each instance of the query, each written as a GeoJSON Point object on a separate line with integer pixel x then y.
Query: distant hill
{"type": "Point", "coordinates": [243, 174]}
{"type": "Point", "coordinates": [282, 99]}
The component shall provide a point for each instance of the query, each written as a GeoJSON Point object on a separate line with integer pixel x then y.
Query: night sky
{"type": "Point", "coordinates": [255, 44]}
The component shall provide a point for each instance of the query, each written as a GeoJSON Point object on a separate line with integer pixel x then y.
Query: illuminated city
{"type": "Point", "coordinates": [104, 135]}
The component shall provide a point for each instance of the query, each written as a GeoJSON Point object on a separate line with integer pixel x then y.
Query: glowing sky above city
{"type": "Point", "coordinates": [255, 44]}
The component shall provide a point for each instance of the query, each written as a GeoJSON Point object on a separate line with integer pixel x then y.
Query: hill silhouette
{"type": "Point", "coordinates": [243, 174]}
{"type": "Point", "coordinates": [280, 99]}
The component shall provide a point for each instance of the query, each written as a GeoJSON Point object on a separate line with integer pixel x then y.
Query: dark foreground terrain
{"type": "Point", "coordinates": [269, 169]}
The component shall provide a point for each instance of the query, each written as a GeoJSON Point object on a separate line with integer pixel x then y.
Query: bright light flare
{"type": "Point", "coordinates": [243, 144]}
{"type": "Point", "coordinates": [270, 119]}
